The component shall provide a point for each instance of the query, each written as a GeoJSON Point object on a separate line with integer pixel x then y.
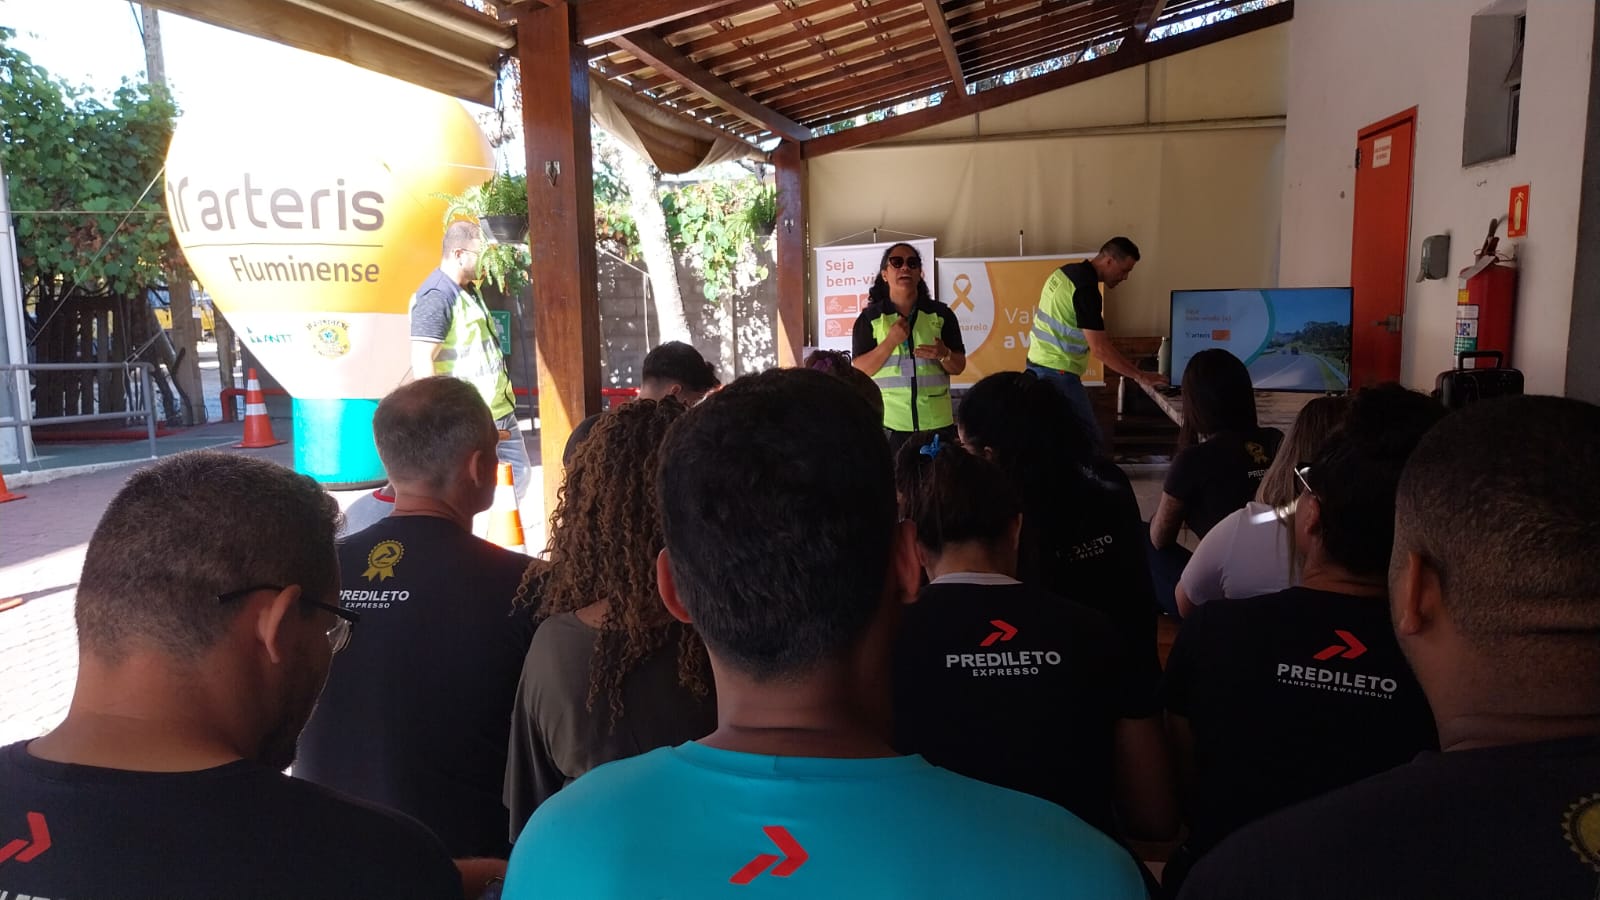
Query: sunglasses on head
{"type": "Point", "coordinates": [914, 262]}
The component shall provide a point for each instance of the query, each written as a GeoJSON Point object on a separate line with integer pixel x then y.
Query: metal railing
{"type": "Point", "coordinates": [146, 393]}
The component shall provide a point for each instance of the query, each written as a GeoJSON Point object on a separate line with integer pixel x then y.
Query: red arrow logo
{"type": "Point", "coordinates": [1350, 649]}
{"type": "Point", "coordinates": [794, 856]}
{"type": "Point", "coordinates": [1006, 632]}
{"type": "Point", "coordinates": [28, 850]}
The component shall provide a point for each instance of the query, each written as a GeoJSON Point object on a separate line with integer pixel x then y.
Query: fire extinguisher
{"type": "Point", "coordinates": [1486, 301]}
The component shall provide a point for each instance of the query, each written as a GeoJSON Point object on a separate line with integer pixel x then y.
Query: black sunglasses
{"type": "Point", "coordinates": [914, 262]}
{"type": "Point", "coordinates": [338, 635]}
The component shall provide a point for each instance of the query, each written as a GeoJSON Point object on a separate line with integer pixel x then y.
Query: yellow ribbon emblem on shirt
{"type": "Point", "coordinates": [382, 560]}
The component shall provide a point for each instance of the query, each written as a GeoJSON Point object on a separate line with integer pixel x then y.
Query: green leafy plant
{"type": "Point", "coordinates": [762, 213]}
{"type": "Point", "coordinates": [66, 150]}
{"type": "Point", "coordinates": [615, 230]}
{"type": "Point", "coordinates": [710, 223]}
{"type": "Point", "coordinates": [466, 205]}
{"type": "Point", "coordinates": [505, 195]}
{"type": "Point", "coordinates": [503, 265]}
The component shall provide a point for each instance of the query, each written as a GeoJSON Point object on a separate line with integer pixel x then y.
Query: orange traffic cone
{"type": "Point", "coordinates": [505, 521]}
{"type": "Point", "coordinates": [5, 495]}
{"type": "Point", "coordinates": [257, 427]}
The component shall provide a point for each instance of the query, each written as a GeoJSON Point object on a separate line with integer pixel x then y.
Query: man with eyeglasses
{"type": "Point", "coordinates": [910, 344]}
{"type": "Point", "coordinates": [417, 716]}
{"type": "Point", "coordinates": [453, 334]}
{"type": "Point", "coordinates": [207, 619]}
{"type": "Point", "coordinates": [1069, 324]}
{"type": "Point", "coordinates": [1275, 699]}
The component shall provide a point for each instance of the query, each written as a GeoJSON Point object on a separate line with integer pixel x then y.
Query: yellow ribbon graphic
{"type": "Point", "coordinates": [963, 286]}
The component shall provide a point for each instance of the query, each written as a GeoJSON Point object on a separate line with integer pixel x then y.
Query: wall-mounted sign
{"type": "Point", "coordinates": [1517, 212]}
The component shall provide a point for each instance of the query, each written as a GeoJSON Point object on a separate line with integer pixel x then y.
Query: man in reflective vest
{"type": "Point", "coordinates": [910, 344]}
{"type": "Point", "coordinates": [1069, 324]}
{"type": "Point", "coordinates": [453, 334]}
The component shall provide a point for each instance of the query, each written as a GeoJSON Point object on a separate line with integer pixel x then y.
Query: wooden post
{"type": "Point", "coordinates": [566, 309]}
{"type": "Point", "coordinates": [791, 239]}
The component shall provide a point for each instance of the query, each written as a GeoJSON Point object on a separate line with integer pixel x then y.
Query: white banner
{"type": "Point", "coordinates": [841, 279]}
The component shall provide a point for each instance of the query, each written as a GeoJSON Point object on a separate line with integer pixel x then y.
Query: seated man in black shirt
{"type": "Point", "coordinates": [207, 618]}
{"type": "Point", "coordinates": [1279, 698]}
{"type": "Point", "coordinates": [416, 717]}
{"type": "Point", "coordinates": [1007, 683]}
{"type": "Point", "coordinates": [1495, 594]}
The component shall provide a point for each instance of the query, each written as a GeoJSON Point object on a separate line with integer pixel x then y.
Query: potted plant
{"type": "Point", "coordinates": [762, 214]}
{"type": "Point", "coordinates": [504, 200]}
{"type": "Point", "coordinates": [506, 266]}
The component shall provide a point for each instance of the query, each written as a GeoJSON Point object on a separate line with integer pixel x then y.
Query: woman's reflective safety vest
{"type": "Point", "coordinates": [916, 392]}
{"type": "Point", "coordinates": [1057, 342]}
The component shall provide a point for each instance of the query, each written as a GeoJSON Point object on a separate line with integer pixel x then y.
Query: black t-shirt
{"type": "Point", "coordinates": [1012, 685]}
{"type": "Point", "coordinates": [238, 830]}
{"type": "Point", "coordinates": [416, 712]}
{"type": "Point", "coordinates": [1220, 475]}
{"type": "Point", "coordinates": [580, 433]}
{"type": "Point", "coordinates": [555, 737]}
{"type": "Point", "coordinates": [1086, 299]}
{"type": "Point", "coordinates": [1520, 821]}
{"type": "Point", "coordinates": [1082, 539]}
{"type": "Point", "coordinates": [1290, 695]}
{"type": "Point", "coordinates": [863, 342]}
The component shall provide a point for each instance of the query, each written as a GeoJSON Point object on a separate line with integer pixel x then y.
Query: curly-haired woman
{"type": "Point", "coordinates": [610, 673]}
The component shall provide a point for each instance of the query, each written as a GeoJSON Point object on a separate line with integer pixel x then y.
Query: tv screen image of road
{"type": "Point", "coordinates": [1291, 339]}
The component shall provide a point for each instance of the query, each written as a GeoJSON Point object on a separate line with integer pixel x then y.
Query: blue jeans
{"type": "Point", "coordinates": [1071, 387]}
{"type": "Point", "coordinates": [1166, 568]}
{"type": "Point", "coordinates": [512, 450]}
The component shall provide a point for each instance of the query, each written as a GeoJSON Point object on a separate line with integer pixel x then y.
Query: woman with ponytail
{"type": "Point", "coordinates": [1007, 683]}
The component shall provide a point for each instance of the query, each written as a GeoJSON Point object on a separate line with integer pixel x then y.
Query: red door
{"type": "Point", "coordinates": [1379, 252]}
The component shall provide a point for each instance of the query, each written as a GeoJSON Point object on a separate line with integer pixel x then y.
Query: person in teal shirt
{"type": "Point", "coordinates": [783, 551]}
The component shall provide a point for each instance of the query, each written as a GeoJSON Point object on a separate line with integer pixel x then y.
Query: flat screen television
{"type": "Point", "coordinates": [1291, 339]}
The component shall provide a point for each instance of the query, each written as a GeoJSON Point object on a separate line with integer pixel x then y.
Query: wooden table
{"type": "Point", "coordinates": [1274, 409]}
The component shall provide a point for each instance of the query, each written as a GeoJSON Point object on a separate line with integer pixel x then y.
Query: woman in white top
{"type": "Point", "coordinates": [1251, 552]}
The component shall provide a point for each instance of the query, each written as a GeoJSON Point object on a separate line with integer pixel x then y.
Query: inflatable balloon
{"type": "Point", "coordinates": [310, 217]}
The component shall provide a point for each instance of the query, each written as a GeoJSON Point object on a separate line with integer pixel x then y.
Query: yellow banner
{"type": "Point", "coordinates": [994, 300]}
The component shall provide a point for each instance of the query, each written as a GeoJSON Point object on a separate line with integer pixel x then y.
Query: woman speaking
{"type": "Point", "coordinates": [910, 344]}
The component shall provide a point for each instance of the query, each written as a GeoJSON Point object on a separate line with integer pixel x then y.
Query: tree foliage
{"type": "Point", "coordinates": [711, 225]}
{"type": "Point", "coordinates": [76, 164]}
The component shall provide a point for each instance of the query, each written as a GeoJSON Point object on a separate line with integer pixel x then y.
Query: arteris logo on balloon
{"type": "Point", "coordinates": [234, 209]}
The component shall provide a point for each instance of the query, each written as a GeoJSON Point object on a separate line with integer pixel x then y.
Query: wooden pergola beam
{"type": "Point", "coordinates": [1145, 19]}
{"type": "Point", "coordinates": [941, 30]}
{"type": "Point", "coordinates": [959, 106]}
{"type": "Point", "coordinates": [790, 179]}
{"type": "Point", "coordinates": [842, 62]}
{"type": "Point", "coordinates": [452, 52]}
{"type": "Point", "coordinates": [602, 20]}
{"type": "Point", "coordinates": [713, 18]}
{"type": "Point", "coordinates": [666, 58]}
{"type": "Point", "coordinates": [566, 330]}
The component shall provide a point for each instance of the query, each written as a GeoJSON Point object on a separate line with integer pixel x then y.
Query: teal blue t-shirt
{"type": "Point", "coordinates": [692, 822]}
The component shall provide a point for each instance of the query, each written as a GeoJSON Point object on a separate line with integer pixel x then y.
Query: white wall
{"type": "Point", "coordinates": [1355, 62]}
{"type": "Point", "coordinates": [1193, 175]}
